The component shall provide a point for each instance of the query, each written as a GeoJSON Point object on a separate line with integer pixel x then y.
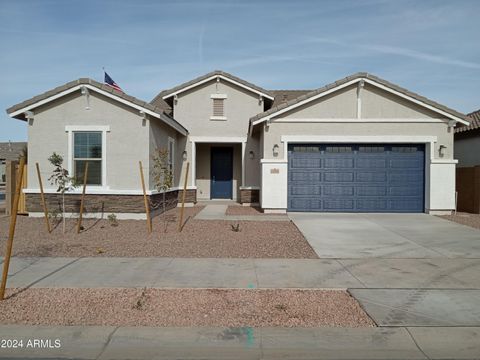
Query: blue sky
{"type": "Point", "coordinates": [430, 47]}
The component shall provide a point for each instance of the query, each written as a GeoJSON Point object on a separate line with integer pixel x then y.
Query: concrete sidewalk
{"type": "Point", "coordinates": [245, 273]}
{"type": "Point", "coordinates": [95, 342]}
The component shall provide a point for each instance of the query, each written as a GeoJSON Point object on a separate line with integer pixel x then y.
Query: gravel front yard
{"type": "Point", "coordinates": [183, 307]}
{"type": "Point", "coordinates": [468, 219]}
{"type": "Point", "coordinates": [199, 238]}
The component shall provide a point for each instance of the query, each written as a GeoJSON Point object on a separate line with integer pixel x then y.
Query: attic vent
{"type": "Point", "coordinates": [218, 108]}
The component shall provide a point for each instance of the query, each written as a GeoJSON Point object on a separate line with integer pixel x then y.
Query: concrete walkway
{"type": "Point", "coordinates": [95, 342]}
{"type": "Point", "coordinates": [217, 212]}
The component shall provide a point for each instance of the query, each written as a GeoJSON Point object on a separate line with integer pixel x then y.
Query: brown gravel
{"type": "Point", "coordinates": [182, 307]}
{"type": "Point", "coordinates": [468, 219]}
{"type": "Point", "coordinates": [199, 238]}
{"type": "Point", "coordinates": [245, 210]}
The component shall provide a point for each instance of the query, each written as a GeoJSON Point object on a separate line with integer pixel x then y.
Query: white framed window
{"type": "Point", "coordinates": [171, 157]}
{"type": "Point", "coordinates": [87, 147]}
{"type": "Point", "coordinates": [88, 144]}
{"type": "Point", "coordinates": [218, 107]}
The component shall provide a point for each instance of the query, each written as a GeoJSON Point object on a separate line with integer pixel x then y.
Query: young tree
{"type": "Point", "coordinates": [61, 179]}
{"type": "Point", "coordinates": [162, 175]}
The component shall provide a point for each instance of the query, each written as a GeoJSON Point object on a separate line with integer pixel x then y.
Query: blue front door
{"type": "Point", "coordinates": [221, 173]}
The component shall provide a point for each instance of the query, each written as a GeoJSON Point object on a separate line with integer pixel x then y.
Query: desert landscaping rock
{"type": "Point", "coordinates": [468, 219]}
{"type": "Point", "coordinates": [199, 238]}
{"type": "Point", "coordinates": [182, 307]}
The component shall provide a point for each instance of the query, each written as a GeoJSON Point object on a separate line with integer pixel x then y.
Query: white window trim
{"type": "Point", "coordinates": [291, 139]}
{"type": "Point", "coordinates": [172, 141]}
{"type": "Point", "coordinates": [218, 118]}
{"type": "Point", "coordinates": [70, 129]}
{"type": "Point", "coordinates": [218, 96]}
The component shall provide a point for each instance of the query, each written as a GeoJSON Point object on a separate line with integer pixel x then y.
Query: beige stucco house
{"type": "Point", "coordinates": [360, 144]}
{"type": "Point", "coordinates": [467, 142]}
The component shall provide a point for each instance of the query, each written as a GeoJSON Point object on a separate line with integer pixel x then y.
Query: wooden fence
{"type": "Point", "coordinates": [11, 179]}
{"type": "Point", "coordinates": [468, 189]}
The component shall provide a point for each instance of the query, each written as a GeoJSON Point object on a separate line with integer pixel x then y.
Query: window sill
{"type": "Point", "coordinates": [218, 118]}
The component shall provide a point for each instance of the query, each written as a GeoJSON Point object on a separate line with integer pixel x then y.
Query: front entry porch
{"type": "Point", "coordinates": [218, 170]}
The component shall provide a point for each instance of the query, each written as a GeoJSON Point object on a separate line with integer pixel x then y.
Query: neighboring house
{"type": "Point", "coordinates": [467, 151]}
{"type": "Point", "coordinates": [467, 142]}
{"type": "Point", "coordinates": [9, 151]}
{"type": "Point", "coordinates": [360, 144]}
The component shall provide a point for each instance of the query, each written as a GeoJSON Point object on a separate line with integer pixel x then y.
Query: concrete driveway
{"type": "Point", "coordinates": [399, 236]}
{"type": "Point", "coordinates": [415, 269]}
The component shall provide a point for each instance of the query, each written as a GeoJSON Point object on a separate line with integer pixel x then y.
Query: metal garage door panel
{"type": "Point", "coordinates": [356, 178]}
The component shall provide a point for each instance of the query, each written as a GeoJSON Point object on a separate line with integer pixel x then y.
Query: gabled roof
{"type": "Point", "coordinates": [371, 79]}
{"type": "Point", "coordinates": [211, 76]}
{"type": "Point", "coordinates": [474, 118]}
{"type": "Point", "coordinates": [283, 96]}
{"type": "Point", "coordinates": [18, 111]}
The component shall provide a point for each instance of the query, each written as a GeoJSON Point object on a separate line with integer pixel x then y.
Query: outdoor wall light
{"type": "Point", "coordinates": [441, 150]}
{"type": "Point", "coordinates": [275, 150]}
{"type": "Point", "coordinates": [184, 155]}
{"type": "Point", "coordinates": [251, 154]}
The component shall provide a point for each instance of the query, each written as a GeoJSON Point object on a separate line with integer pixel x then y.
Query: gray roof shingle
{"type": "Point", "coordinates": [11, 150]}
{"type": "Point", "coordinates": [84, 81]}
{"type": "Point", "coordinates": [474, 118]}
{"type": "Point", "coordinates": [358, 75]}
{"type": "Point", "coordinates": [206, 76]}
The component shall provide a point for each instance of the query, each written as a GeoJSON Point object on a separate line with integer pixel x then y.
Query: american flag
{"type": "Point", "coordinates": [109, 81]}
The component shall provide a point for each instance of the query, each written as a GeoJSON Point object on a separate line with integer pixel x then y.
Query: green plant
{"type": "Point", "coordinates": [141, 300]}
{"type": "Point", "coordinates": [162, 176]}
{"type": "Point", "coordinates": [54, 216]}
{"type": "Point", "coordinates": [235, 227]}
{"type": "Point", "coordinates": [112, 219]}
{"type": "Point", "coordinates": [61, 179]}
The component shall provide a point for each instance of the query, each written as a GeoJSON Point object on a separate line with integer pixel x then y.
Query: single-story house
{"type": "Point", "coordinates": [467, 152]}
{"type": "Point", "coordinates": [360, 144]}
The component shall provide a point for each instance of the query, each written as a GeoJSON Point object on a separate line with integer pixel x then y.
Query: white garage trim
{"type": "Point", "coordinates": [288, 139]}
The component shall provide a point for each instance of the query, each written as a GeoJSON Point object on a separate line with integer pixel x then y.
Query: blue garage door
{"type": "Point", "coordinates": [356, 177]}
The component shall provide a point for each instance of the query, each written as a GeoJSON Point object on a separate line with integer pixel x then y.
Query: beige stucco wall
{"type": "Point", "coordinates": [340, 104]}
{"type": "Point", "coordinates": [203, 169]}
{"type": "Point", "coordinates": [375, 104]}
{"type": "Point", "coordinates": [467, 149]}
{"type": "Point", "coordinates": [126, 142]}
{"type": "Point", "coordinates": [194, 109]}
{"type": "Point", "coordinates": [273, 135]}
{"type": "Point", "coordinates": [159, 134]}
{"type": "Point", "coordinates": [380, 104]}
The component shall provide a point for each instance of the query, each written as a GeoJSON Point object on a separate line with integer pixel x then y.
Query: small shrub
{"type": "Point", "coordinates": [235, 227]}
{"type": "Point", "coordinates": [282, 307]}
{"type": "Point", "coordinates": [141, 300]}
{"type": "Point", "coordinates": [112, 219]}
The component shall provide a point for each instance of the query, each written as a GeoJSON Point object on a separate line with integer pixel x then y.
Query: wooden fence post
{"type": "Point", "coordinates": [11, 180]}
{"type": "Point", "coordinates": [80, 216]}
{"type": "Point", "coordinates": [11, 231]}
{"type": "Point", "coordinates": [42, 196]}
{"type": "Point", "coordinates": [145, 199]}
{"type": "Point", "coordinates": [180, 223]}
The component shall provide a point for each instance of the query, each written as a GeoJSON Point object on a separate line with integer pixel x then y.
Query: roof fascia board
{"type": "Point", "coordinates": [102, 92]}
{"type": "Point", "coordinates": [294, 106]}
{"type": "Point", "coordinates": [45, 101]}
{"type": "Point", "coordinates": [213, 77]}
{"type": "Point", "coordinates": [351, 82]}
{"type": "Point", "coordinates": [418, 102]}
